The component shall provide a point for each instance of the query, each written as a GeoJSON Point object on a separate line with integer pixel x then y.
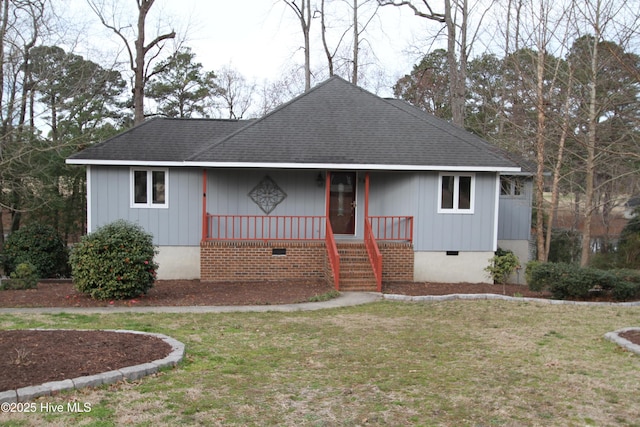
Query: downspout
{"type": "Point", "coordinates": [496, 219]}
{"type": "Point", "coordinates": [204, 205]}
{"type": "Point", "coordinates": [89, 185]}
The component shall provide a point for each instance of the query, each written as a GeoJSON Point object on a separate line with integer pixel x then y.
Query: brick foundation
{"type": "Point", "coordinates": [255, 260]}
{"type": "Point", "coordinates": [397, 261]}
{"type": "Point", "coordinates": [224, 261]}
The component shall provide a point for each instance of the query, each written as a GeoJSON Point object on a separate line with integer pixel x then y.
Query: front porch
{"type": "Point", "coordinates": [305, 247]}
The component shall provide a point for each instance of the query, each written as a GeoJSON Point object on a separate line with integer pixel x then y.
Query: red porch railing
{"type": "Point", "coordinates": [375, 257]}
{"type": "Point", "coordinates": [392, 227]}
{"type": "Point", "coordinates": [334, 256]}
{"type": "Point", "coordinates": [261, 227]}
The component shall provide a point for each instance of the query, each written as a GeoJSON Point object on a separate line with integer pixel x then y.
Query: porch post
{"type": "Point", "coordinates": [366, 196]}
{"type": "Point", "coordinates": [327, 194]}
{"type": "Point", "coordinates": [204, 204]}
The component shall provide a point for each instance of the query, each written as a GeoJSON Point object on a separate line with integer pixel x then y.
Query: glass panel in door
{"type": "Point", "coordinates": [342, 202]}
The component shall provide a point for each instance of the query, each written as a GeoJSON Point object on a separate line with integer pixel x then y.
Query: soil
{"type": "Point", "coordinates": [35, 357]}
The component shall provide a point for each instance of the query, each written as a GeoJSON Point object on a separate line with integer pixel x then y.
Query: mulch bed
{"type": "Point", "coordinates": [170, 293]}
{"type": "Point", "coordinates": [196, 293]}
{"type": "Point", "coordinates": [35, 357]}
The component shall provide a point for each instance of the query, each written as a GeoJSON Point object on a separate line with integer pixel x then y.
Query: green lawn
{"type": "Point", "coordinates": [459, 363]}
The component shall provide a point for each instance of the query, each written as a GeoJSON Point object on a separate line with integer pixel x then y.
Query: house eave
{"type": "Point", "coordinates": [101, 162]}
{"type": "Point", "coordinates": [293, 165]}
{"type": "Point", "coordinates": [353, 166]}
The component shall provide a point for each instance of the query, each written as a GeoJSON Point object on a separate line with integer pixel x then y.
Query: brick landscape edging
{"type": "Point", "coordinates": [135, 372]}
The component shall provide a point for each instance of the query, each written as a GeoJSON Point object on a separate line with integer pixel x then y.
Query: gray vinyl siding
{"type": "Point", "coordinates": [416, 194]}
{"type": "Point", "coordinates": [456, 231]}
{"type": "Point", "coordinates": [515, 215]}
{"type": "Point", "coordinates": [391, 193]}
{"type": "Point", "coordinates": [228, 192]}
{"type": "Point", "coordinates": [177, 225]}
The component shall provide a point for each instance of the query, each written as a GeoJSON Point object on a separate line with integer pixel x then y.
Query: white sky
{"type": "Point", "coordinates": [261, 39]}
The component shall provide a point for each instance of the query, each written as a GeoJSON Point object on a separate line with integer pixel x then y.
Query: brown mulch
{"type": "Point", "coordinates": [170, 293]}
{"type": "Point", "coordinates": [196, 293]}
{"type": "Point", "coordinates": [35, 357]}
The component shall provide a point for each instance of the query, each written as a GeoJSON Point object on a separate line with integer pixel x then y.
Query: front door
{"type": "Point", "coordinates": [342, 202]}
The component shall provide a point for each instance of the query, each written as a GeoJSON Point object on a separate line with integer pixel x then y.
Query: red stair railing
{"type": "Point", "coordinates": [375, 257]}
{"type": "Point", "coordinates": [334, 256]}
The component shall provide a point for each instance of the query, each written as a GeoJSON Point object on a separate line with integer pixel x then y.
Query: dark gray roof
{"type": "Point", "coordinates": [528, 167]}
{"type": "Point", "coordinates": [335, 123]}
{"type": "Point", "coordinates": [161, 140]}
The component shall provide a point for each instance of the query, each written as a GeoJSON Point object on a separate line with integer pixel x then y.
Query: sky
{"type": "Point", "coordinates": [261, 39]}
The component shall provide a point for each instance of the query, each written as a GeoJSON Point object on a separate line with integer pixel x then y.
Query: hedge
{"type": "Point", "coordinates": [568, 281]}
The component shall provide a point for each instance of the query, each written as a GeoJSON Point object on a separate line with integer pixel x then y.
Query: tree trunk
{"type": "Point", "coordinates": [457, 65]}
{"type": "Point", "coordinates": [555, 196]}
{"type": "Point", "coordinates": [138, 69]}
{"type": "Point", "coordinates": [306, 24]}
{"type": "Point", "coordinates": [327, 52]}
{"type": "Point", "coordinates": [356, 43]}
{"type": "Point", "coordinates": [590, 159]}
{"type": "Point", "coordinates": [540, 148]}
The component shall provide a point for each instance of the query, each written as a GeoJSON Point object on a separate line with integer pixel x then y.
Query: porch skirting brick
{"type": "Point", "coordinates": [224, 261]}
{"type": "Point", "coordinates": [397, 261]}
{"type": "Point", "coordinates": [258, 260]}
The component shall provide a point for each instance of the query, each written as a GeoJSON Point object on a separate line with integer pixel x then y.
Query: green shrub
{"type": "Point", "coordinates": [114, 262]}
{"type": "Point", "coordinates": [628, 286]}
{"type": "Point", "coordinates": [503, 263]}
{"type": "Point", "coordinates": [39, 245]}
{"type": "Point", "coordinates": [528, 272]}
{"type": "Point", "coordinates": [604, 261]}
{"type": "Point", "coordinates": [629, 244]}
{"type": "Point", "coordinates": [25, 276]}
{"type": "Point", "coordinates": [568, 281]}
{"type": "Point", "coordinates": [540, 276]}
{"type": "Point", "coordinates": [565, 246]}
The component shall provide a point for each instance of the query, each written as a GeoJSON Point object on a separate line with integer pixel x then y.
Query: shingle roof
{"type": "Point", "coordinates": [161, 140]}
{"type": "Point", "coordinates": [335, 123]}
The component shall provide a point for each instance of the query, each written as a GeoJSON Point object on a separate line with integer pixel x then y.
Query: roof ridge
{"type": "Point", "coordinates": [264, 117]}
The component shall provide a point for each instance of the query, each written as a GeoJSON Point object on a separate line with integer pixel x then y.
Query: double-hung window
{"type": "Point", "coordinates": [149, 188]}
{"type": "Point", "coordinates": [456, 193]}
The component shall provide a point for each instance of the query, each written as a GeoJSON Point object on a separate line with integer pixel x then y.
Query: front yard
{"type": "Point", "coordinates": [450, 363]}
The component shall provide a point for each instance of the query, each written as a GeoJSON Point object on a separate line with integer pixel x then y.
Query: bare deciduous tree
{"type": "Point", "coordinates": [303, 13]}
{"type": "Point", "coordinates": [235, 92]}
{"type": "Point", "coordinates": [455, 17]}
{"type": "Point", "coordinates": [139, 62]}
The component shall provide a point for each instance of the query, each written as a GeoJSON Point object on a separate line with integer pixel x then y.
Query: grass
{"type": "Point", "coordinates": [458, 363]}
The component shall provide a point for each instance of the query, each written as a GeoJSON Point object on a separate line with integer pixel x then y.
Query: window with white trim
{"type": "Point", "coordinates": [456, 193]}
{"type": "Point", "coordinates": [149, 188]}
{"type": "Point", "coordinates": [511, 186]}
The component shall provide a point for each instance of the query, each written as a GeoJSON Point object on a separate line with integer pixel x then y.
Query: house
{"type": "Point", "coordinates": [337, 184]}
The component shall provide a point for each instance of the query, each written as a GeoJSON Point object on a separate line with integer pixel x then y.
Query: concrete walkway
{"type": "Point", "coordinates": [346, 299]}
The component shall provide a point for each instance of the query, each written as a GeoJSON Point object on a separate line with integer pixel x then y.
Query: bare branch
{"type": "Point", "coordinates": [440, 17]}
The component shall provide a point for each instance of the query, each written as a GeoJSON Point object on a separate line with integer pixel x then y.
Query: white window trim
{"type": "Point", "coordinates": [456, 193]}
{"type": "Point", "coordinates": [513, 182]}
{"type": "Point", "coordinates": [149, 204]}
